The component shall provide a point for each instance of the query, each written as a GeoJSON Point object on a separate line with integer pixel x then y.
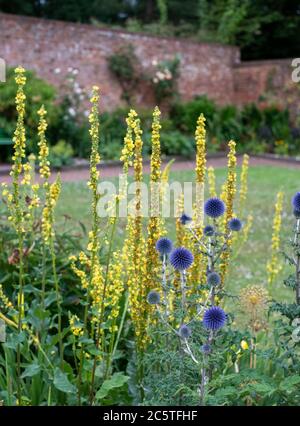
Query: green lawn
{"type": "Point", "coordinates": [249, 267]}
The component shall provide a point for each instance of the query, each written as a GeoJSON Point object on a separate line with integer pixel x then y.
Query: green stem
{"type": "Point", "coordinates": [43, 276]}
{"type": "Point", "coordinates": [112, 354]}
{"type": "Point", "coordinates": [102, 308]}
{"type": "Point", "coordinates": [20, 313]}
{"type": "Point", "coordinates": [58, 301]}
{"type": "Point", "coordinates": [8, 380]}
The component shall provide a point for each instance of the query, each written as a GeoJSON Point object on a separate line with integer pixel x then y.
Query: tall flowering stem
{"type": "Point", "coordinates": [273, 265]}
{"type": "Point", "coordinates": [199, 266]}
{"type": "Point", "coordinates": [44, 170]}
{"type": "Point", "coordinates": [134, 246]}
{"type": "Point", "coordinates": [97, 289]}
{"type": "Point", "coordinates": [52, 193]}
{"type": "Point", "coordinates": [230, 192]}
{"type": "Point", "coordinates": [17, 213]}
{"type": "Point", "coordinates": [155, 222]}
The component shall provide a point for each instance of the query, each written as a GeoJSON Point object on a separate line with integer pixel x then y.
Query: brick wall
{"type": "Point", "coordinates": [253, 78]}
{"type": "Point", "coordinates": [205, 68]}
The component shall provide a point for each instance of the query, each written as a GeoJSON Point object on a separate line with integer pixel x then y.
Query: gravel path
{"type": "Point", "coordinates": [74, 175]}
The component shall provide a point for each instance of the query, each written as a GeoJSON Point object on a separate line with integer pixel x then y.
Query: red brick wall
{"type": "Point", "coordinates": [45, 45]}
{"type": "Point", "coordinates": [205, 68]}
{"type": "Point", "coordinates": [253, 78]}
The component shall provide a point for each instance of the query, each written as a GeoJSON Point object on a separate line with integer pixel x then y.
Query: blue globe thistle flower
{"type": "Point", "coordinates": [235, 224]}
{"type": "Point", "coordinates": [296, 213]}
{"type": "Point", "coordinates": [206, 349]}
{"type": "Point", "coordinates": [164, 245]}
{"type": "Point", "coordinates": [185, 331]}
{"type": "Point", "coordinates": [214, 318]}
{"type": "Point", "coordinates": [209, 231]}
{"type": "Point", "coordinates": [214, 207]}
{"type": "Point", "coordinates": [185, 219]}
{"type": "Point", "coordinates": [213, 279]}
{"type": "Point", "coordinates": [181, 258]}
{"type": "Point", "coordinates": [296, 201]}
{"type": "Point", "coordinates": [153, 298]}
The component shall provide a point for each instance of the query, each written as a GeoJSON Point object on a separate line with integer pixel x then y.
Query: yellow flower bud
{"type": "Point", "coordinates": [244, 345]}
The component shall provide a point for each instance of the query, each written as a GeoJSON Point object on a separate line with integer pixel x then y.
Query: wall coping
{"type": "Point", "coordinates": [263, 62]}
{"type": "Point", "coordinates": [91, 27]}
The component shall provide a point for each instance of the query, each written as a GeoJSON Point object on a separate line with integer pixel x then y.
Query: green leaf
{"type": "Point", "coordinates": [51, 298]}
{"type": "Point", "coordinates": [116, 381]}
{"type": "Point", "coordinates": [289, 383]}
{"type": "Point", "coordinates": [262, 388]}
{"type": "Point", "coordinates": [31, 370]}
{"type": "Point", "coordinates": [62, 383]}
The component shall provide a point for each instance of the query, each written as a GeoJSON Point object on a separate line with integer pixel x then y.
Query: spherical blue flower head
{"type": "Point", "coordinates": [213, 279]}
{"type": "Point", "coordinates": [235, 224]}
{"type": "Point", "coordinates": [296, 201]}
{"type": "Point", "coordinates": [214, 207]}
{"type": "Point", "coordinates": [296, 213]}
{"type": "Point", "coordinates": [185, 331]}
{"type": "Point", "coordinates": [185, 219]}
{"type": "Point", "coordinates": [164, 245]}
{"type": "Point", "coordinates": [208, 231]}
{"type": "Point", "coordinates": [214, 318]}
{"type": "Point", "coordinates": [206, 349]}
{"type": "Point", "coordinates": [153, 298]}
{"type": "Point", "coordinates": [181, 258]}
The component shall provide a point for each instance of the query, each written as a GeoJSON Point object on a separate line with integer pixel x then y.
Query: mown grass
{"type": "Point", "coordinates": [249, 267]}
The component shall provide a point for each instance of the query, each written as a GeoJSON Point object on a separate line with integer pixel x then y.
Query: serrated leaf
{"type": "Point", "coordinates": [62, 383]}
{"type": "Point", "coordinates": [116, 381]}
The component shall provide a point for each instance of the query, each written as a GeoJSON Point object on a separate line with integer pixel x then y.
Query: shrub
{"type": "Point", "coordinates": [61, 154]}
{"type": "Point", "coordinates": [124, 65]}
{"type": "Point", "coordinates": [164, 80]}
{"type": "Point", "coordinates": [185, 115]}
{"type": "Point", "coordinates": [38, 92]}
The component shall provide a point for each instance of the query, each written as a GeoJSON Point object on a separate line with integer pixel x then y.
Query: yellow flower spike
{"type": "Point", "coordinates": [4, 299]}
{"type": "Point", "coordinates": [134, 247]}
{"type": "Point", "coordinates": [198, 270]}
{"type": "Point", "coordinates": [128, 149]}
{"type": "Point", "coordinates": [243, 184]}
{"type": "Point", "coordinates": [43, 147]}
{"type": "Point", "coordinates": [115, 289]}
{"type": "Point", "coordinates": [95, 156]}
{"type": "Point", "coordinates": [273, 265]}
{"type": "Point", "coordinates": [52, 196]}
{"type": "Point", "coordinates": [75, 326]}
{"type": "Point", "coordinates": [19, 140]}
{"type": "Point", "coordinates": [230, 192]}
{"type": "Point", "coordinates": [155, 221]}
{"type": "Point", "coordinates": [27, 169]}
